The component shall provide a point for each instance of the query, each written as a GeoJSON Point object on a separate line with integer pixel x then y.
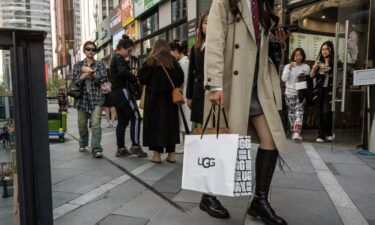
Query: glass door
{"type": "Point", "coordinates": [348, 101]}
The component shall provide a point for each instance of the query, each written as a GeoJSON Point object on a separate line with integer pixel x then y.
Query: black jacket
{"type": "Point", "coordinates": [120, 74]}
{"type": "Point", "coordinates": [161, 118]}
{"type": "Point", "coordinates": [195, 85]}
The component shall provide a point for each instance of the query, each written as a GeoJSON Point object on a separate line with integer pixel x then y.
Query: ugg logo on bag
{"type": "Point", "coordinates": [206, 162]}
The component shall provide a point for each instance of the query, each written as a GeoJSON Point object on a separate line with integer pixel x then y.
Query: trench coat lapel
{"type": "Point", "coordinates": [247, 16]}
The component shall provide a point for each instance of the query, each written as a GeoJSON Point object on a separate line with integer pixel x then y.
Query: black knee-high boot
{"type": "Point", "coordinates": [260, 207]}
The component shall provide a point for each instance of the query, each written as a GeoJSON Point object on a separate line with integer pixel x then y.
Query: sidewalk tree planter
{"type": "Point", "coordinates": [31, 124]}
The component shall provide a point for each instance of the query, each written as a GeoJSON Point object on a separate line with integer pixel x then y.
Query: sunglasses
{"type": "Point", "coordinates": [91, 49]}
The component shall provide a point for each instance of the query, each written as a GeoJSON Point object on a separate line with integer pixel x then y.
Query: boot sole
{"type": "Point", "coordinates": [203, 208]}
{"type": "Point", "coordinates": [255, 214]}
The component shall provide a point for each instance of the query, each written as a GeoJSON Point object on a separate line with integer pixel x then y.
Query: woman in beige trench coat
{"type": "Point", "coordinates": [241, 77]}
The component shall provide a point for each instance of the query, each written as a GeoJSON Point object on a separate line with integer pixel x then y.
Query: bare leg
{"type": "Point", "coordinates": [113, 114]}
{"type": "Point", "coordinates": [263, 131]}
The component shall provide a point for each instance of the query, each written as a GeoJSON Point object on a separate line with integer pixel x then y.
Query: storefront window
{"type": "Point", "coordinates": [150, 25]}
{"type": "Point", "coordinates": [180, 32]}
{"type": "Point", "coordinates": [149, 44]}
{"type": "Point", "coordinates": [178, 10]}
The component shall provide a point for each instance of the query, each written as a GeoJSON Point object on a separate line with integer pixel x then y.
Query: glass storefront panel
{"type": "Point", "coordinates": [180, 33]}
{"type": "Point", "coordinates": [149, 25]}
{"type": "Point", "coordinates": [7, 141]}
{"type": "Point", "coordinates": [178, 10]}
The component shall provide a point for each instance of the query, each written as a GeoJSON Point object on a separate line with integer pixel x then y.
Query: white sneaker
{"type": "Point", "coordinates": [319, 140]}
{"type": "Point", "coordinates": [299, 137]}
{"type": "Point", "coordinates": [294, 136]}
{"type": "Point", "coordinates": [330, 138]}
{"type": "Point", "coordinates": [179, 151]}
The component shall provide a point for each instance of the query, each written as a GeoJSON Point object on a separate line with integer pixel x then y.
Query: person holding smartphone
{"type": "Point", "coordinates": [293, 74]}
{"type": "Point", "coordinates": [90, 74]}
{"type": "Point", "coordinates": [322, 71]}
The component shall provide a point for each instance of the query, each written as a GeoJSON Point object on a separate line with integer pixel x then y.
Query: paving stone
{"type": "Point", "coordinates": [60, 198]}
{"type": "Point", "coordinates": [97, 210]}
{"type": "Point", "coordinates": [187, 206]}
{"type": "Point", "coordinates": [365, 203]}
{"type": "Point", "coordinates": [144, 206]}
{"type": "Point", "coordinates": [297, 180]}
{"type": "Point", "coordinates": [198, 217]}
{"type": "Point", "coordinates": [106, 171]}
{"type": "Point", "coordinates": [369, 162]}
{"type": "Point", "coordinates": [80, 184]}
{"type": "Point", "coordinates": [61, 174]}
{"type": "Point", "coordinates": [360, 170]}
{"type": "Point", "coordinates": [188, 196]}
{"type": "Point", "coordinates": [121, 220]}
{"type": "Point", "coordinates": [156, 173]}
{"type": "Point", "coordinates": [304, 207]}
{"type": "Point", "coordinates": [356, 184]}
{"type": "Point", "coordinates": [86, 163]}
{"type": "Point", "coordinates": [171, 183]}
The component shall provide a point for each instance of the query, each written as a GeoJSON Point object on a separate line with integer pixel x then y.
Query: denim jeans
{"type": "Point", "coordinates": [96, 119]}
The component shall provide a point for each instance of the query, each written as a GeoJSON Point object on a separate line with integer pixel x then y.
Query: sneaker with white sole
{"type": "Point", "coordinates": [330, 138]}
{"type": "Point", "coordinates": [82, 149]}
{"type": "Point", "coordinates": [296, 137]}
{"type": "Point", "coordinates": [319, 140]}
{"type": "Point", "coordinates": [137, 150]}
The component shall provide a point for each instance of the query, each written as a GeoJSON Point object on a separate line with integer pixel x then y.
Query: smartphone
{"type": "Point", "coordinates": [287, 28]}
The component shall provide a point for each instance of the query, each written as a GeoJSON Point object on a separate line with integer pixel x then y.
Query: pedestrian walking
{"type": "Point", "coordinates": [195, 84]}
{"type": "Point", "coordinates": [322, 71]}
{"type": "Point", "coordinates": [161, 115]}
{"type": "Point", "coordinates": [61, 100]}
{"type": "Point", "coordinates": [90, 74]}
{"type": "Point", "coordinates": [242, 79]}
{"type": "Point", "coordinates": [179, 51]}
{"type": "Point", "coordinates": [124, 100]}
{"type": "Point", "coordinates": [294, 73]}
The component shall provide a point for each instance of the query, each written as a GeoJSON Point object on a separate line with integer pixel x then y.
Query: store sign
{"type": "Point", "coordinates": [116, 23]}
{"type": "Point", "coordinates": [127, 12]}
{"type": "Point", "coordinates": [364, 77]}
{"type": "Point", "coordinates": [141, 6]}
{"type": "Point", "coordinates": [116, 38]}
{"type": "Point", "coordinates": [132, 31]}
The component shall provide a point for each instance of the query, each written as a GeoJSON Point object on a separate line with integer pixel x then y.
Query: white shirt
{"type": "Point", "coordinates": [290, 76]}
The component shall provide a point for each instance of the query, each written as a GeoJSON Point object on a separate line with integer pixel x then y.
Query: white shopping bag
{"type": "Point", "coordinates": [209, 163]}
{"type": "Point", "coordinates": [300, 85]}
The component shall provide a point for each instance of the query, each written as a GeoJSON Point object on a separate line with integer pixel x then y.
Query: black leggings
{"type": "Point", "coordinates": [169, 149]}
{"type": "Point", "coordinates": [325, 115]}
{"type": "Point", "coordinates": [125, 113]}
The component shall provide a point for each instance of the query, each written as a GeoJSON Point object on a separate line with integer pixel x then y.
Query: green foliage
{"type": "Point", "coordinates": [53, 85]}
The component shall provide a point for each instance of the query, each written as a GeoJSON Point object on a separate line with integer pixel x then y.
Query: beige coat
{"type": "Point", "coordinates": [230, 63]}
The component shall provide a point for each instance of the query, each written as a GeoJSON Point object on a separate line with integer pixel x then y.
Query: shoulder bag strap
{"type": "Point", "coordinates": [167, 74]}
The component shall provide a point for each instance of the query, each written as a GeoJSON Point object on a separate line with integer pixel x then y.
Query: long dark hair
{"type": "Point", "coordinates": [180, 46]}
{"type": "Point", "coordinates": [331, 52]}
{"type": "Point", "coordinates": [160, 55]}
{"type": "Point", "coordinates": [201, 37]}
{"type": "Point", "coordinates": [266, 13]}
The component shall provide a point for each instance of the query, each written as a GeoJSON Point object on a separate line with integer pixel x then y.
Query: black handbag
{"type": "Point", "coordinates": [74, 90]}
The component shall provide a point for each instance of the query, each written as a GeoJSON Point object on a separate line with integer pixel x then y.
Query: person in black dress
{"type": "Point", "coordinates": [161, 115]}
{"type": "Point", "coordinates": [195, 86]}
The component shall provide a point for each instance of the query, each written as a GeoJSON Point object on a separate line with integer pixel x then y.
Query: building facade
{"type": "Point", "coordinates": [29, 14]}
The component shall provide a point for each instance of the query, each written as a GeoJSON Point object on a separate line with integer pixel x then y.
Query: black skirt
{"type": "Point", "coordinates": [255, 107]}
{"type": "Point", "coordinates": [108, 101]}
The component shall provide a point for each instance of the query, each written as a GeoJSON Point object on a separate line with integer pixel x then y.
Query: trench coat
{"type": "Point", "coordinates": [230, 59]}
{"type": "Point", "coordinates": [160, 114]}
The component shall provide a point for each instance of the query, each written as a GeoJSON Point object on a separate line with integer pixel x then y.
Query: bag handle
{"type": "Point", "coordinates": [187, 131]}
{"type": "Point", "coordinates": [212, 111]}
